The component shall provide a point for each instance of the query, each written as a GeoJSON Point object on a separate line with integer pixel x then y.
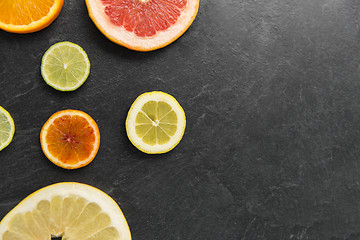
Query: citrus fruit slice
{"type": "Point", "coordinates": [68, 210]}
{"type": "Point", "coordinates": [143, 25]}
{"type": "Point", "coordinates": [26, 16]}
{"type": "Point", "coordinates": [7, 128]}
{"type": "Point", "coordinates": [155, 123]}
{"type": "Point", "coordinates": [65, 66]}
{"type": "Point", "coordinates": [70, 139]}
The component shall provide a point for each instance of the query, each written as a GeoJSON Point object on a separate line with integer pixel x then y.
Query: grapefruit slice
{"type": "Point", "coordinates": [143, 25]}
{"type": "Point", "coordinates": [19, 16]}
{"type": "Point", "coordinates": [70, 139]}
{"type": "Point", "coordinates": [69, 210]}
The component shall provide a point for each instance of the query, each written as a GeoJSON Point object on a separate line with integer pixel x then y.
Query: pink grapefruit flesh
{"type": "Point", "coordinates": [144, 18]}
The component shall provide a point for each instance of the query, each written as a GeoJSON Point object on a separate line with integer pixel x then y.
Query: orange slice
{"type": "Point", "coordinates": [26, 16]}
{"type": "Point", "coordinates": [143, 25]}
{"type": "Point", "coordinates": [70, 139]}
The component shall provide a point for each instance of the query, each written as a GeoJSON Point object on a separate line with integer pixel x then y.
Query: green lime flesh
{"type": "Point", "coordinates": [65, 66]}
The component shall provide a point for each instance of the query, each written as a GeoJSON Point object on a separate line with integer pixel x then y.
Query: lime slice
{"type": "Point", "coordinates": [7, 128]}
{"type": "Point", "coordinates": [155, 123]}
{"type": "Point", "coordinates": [68, 210]}
{"type": "Point", "coordinates": [65, 66]}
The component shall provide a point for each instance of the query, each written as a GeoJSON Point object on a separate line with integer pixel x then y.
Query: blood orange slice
{"type": "Point", "coordinates": [143, 25]}
{"type": "Point", "coordinates": [70, 139]}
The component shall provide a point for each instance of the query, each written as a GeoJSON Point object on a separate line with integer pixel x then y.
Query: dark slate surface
{"type": "Point", "coordinates": [271, 93]}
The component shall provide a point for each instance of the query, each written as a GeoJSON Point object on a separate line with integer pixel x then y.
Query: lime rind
{"type": "Point", "coordinates": [7, 121]}
{"type": "Point", "coordinates": [65, 66]}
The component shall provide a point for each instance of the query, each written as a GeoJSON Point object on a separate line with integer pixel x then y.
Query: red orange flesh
{"type": "Point", "coordinates": [70, 139]}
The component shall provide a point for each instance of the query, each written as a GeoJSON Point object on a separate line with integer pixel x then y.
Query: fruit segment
{"type": "Point", "coordinates": [169, 129]}
{"type": "Point", "coordinates": [84, 231]}
{"type": "Point", "coordinates": [3, 137]}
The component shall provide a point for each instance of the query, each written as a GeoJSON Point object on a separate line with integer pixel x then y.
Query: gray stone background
{"type": "Point", "coordinates": [271, 93]}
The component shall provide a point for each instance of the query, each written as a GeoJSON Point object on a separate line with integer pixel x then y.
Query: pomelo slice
{"type": "Point", "coordinates": [70, 139]}
{"type": "Point", "coordinates": [143, 25]}
{"type": "Point", "coordinates": [68, 210]}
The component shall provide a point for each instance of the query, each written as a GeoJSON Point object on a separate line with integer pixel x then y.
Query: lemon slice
{"type": "Point", "coordinates": [7, 128]}
{"type": "Point", "coordinates": [155, 123]}
{"type": "Point", "coordinates": [69, 210]}
{"type": "Point", "coordinates": [65, 66]}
